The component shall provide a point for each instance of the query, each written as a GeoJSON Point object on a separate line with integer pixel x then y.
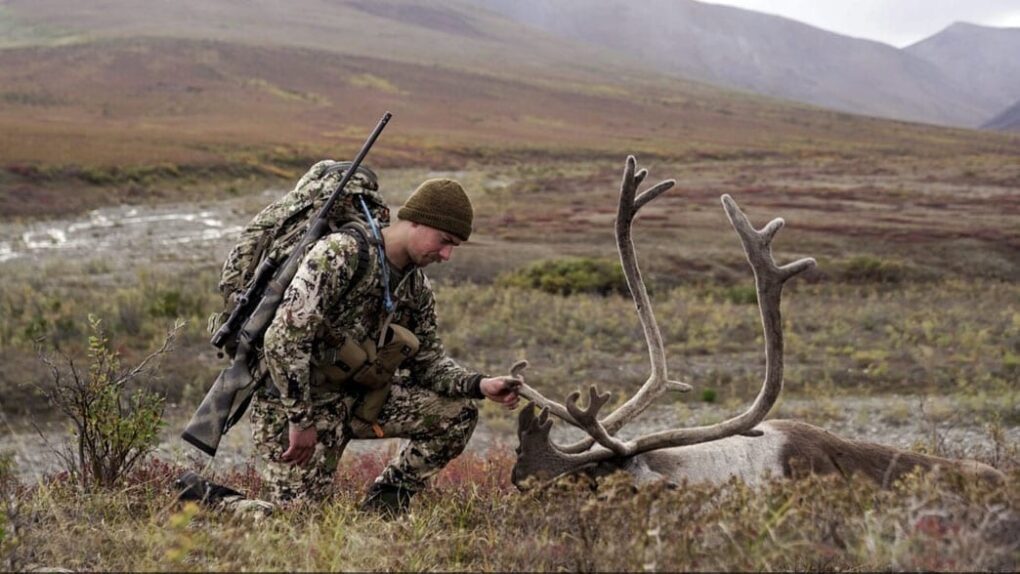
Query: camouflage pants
{"type": "Point", "coordinates": [438, 428]}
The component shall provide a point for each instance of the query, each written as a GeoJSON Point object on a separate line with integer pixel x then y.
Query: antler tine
{"type": "Point", "coordinates": [769, 280]}
{"type": "Point", "coordinates": [596, 401]}
{"type": "Point", "coordinates": [658, 382]}
{"type": "Point", "coordinates": [542, 422]}
{"type": "Point", "coordinates": [758, 248]}
{"type": "Point", "coordinates": [796, 268]}
{"type": "Point", "coordinates": [630, 200]}
{"type": "Point", "coordinates": [639, 177]}
{"type": "Point", "coordinates": [528, 392]}
{"type": "Point", "coordinates": [587, 418]}
{"type": "Point", "coordinates": [655, 191]}
{"type": "Point", "coordinates": [544, 459]}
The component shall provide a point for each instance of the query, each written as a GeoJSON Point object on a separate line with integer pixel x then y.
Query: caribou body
{"type": "Point", "coordinates": [744, 446]}
{"type": "Point", "coordinates": [780, 448]}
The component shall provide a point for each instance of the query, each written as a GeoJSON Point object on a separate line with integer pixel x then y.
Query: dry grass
{"type": "Point", "coordinates": [914, 338]}
{"type": "Point", "coordinates": [472, 520]}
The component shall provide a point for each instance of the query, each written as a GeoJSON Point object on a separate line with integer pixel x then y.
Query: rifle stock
{"type": "Point", "coordinates": [232, 390]}
{"type": "Point", "coordinates": [228, 398]}
{"type": "Point", "coordinates": [225, 402]}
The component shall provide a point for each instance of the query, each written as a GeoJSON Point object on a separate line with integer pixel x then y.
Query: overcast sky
{"type": "Point", "coordinates": [896, 22]}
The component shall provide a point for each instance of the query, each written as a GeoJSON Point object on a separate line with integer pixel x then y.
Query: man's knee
{"type": "Point", "coordinates": [457, 417]}
{"type": "Point", "coordinates": [312, 481]}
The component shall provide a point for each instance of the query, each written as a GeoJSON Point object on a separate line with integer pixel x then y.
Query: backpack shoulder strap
{"type": "Point", "coordinates": [360, 236]}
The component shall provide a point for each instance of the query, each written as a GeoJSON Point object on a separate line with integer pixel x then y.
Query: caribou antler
{"type": "Point", "coordinates": [658, 381]}
{"type": "Point", "coordinates": [769, 280]}
{"type": "Point", "coordinates": [528, 392]}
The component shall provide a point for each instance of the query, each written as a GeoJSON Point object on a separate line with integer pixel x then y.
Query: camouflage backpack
{"type": "Point", "coordinates": [278, 228]}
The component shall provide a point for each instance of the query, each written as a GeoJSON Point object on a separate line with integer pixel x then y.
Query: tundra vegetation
{"type": "Point", "coordinates": [912, 310]}
{"type": "Point", "coordinates": [891, 311]}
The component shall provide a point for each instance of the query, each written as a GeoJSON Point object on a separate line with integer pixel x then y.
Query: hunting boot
{"type": "Point", "coordinates": [386, 500]}
{"type": "Point", "coordinates": [192, 487]}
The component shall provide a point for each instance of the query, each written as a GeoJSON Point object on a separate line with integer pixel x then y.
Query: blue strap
{"type": "Point", "coordinates": [384, 268]}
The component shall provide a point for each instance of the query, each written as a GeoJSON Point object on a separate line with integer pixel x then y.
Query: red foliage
{"type": "Point", "coordinates": [490, 473]}
{"type": "Point", "coordinates": [936, 526]}
{"type": "Point", "coordinates": [356, 472]}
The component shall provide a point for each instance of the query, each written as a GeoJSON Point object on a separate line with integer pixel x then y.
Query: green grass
{"type": "Point", "coordinates": [569, 276]}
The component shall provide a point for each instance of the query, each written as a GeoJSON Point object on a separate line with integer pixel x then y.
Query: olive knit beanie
{"type": "Point", "coordinates": [442, 204]}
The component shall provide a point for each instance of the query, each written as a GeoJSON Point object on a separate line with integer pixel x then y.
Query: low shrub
{"type": "Point", "coordinates": [10, 519]}
{"type": "Point", "coordinates": [113, 426]}
{"type": "Point", "coordinates": [869, 269]}
{"type": "Point", "coordinates": [735, 294]}
{"type": "Point", "coordinates": [173, 303]}
{"type": "Point", "coordinates": [569, 276]}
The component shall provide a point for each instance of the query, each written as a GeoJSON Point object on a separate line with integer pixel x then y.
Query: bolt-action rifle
{"type": "Point", "coordinates": [229, 396]}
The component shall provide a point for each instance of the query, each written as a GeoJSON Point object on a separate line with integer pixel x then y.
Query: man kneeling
{"type": "Point", "coordinates": [355, 354]}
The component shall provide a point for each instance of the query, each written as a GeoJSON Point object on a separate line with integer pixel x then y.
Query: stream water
{"type": "Point", "coordinates": [182, 231]}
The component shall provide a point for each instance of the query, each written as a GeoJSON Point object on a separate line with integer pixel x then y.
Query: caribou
{"type": "Point", "coordinates": [745, 446]}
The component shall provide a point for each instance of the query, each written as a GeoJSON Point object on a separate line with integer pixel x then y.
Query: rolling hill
{"type": "Point", "coordinates": [231, 82]}
{"type": "Point", "coordinates": [776, 56]}
{"type": "Point", "coordinates": [448, 34]}
{"type": "Point", "coordinates": [1007, 121]}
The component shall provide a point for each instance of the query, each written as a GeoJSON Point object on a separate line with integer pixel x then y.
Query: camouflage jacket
{"type": "Point", "coordinates": [315, 309]}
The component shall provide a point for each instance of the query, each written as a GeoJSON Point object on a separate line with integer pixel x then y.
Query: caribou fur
{"type": "Point", "coordinates": [781, 448]}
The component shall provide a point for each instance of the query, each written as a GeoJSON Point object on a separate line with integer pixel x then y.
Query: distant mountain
{"type": "Point", "coordinates": [764, 54]}
{"type": "Point", "coordinates": [985, 59]}
{"type": "Point", "coordinates": [1007, 121]}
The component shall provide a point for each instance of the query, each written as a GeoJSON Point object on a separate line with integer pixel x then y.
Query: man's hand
{"type": "Point", "coordinates": [503, 390]}
{"type": "Point", "coordinates": [302, 445]}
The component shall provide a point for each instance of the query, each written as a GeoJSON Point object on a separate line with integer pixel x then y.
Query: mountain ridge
{"type": "Point", "coordinates": [1007, 121]}
{"type": "Point", "coordinates": [764, 53]}
{"type": "Point", "coordinates": [982, 57]}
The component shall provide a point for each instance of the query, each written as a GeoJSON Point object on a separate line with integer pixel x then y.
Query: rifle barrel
{"type": "Point", "coordinates": [354, 165]}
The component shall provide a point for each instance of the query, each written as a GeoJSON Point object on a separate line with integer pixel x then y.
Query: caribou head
{"type": "Point", "coordinates": [743, 445]}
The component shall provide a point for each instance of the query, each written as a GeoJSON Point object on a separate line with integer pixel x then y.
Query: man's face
{"type": "Point", "coordinates": [428, 245]}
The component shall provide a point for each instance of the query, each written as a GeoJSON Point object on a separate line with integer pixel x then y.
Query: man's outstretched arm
{"type": "Point", "coordinates": [443, 374]}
